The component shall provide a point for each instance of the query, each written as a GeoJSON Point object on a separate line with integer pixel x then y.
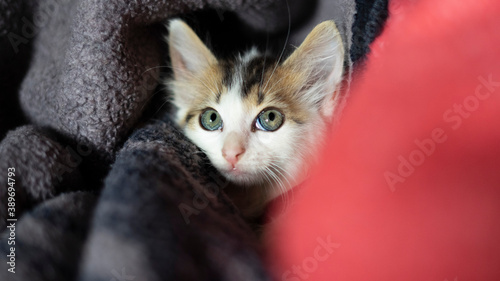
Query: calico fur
{"type": "Point", "coordinates": [304, 88]}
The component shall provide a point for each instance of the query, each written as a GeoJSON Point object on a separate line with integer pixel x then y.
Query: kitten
{"type": "Point", "coordinates": [260, 121]}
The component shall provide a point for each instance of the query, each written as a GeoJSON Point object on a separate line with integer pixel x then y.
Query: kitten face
{"type": "Point", "coordinates": [260, 122]}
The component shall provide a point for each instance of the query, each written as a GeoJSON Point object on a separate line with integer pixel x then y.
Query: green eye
{"type": "Point", "coordinates": [211, 120]}
{"type": "Point", "coordinates": [269, 120]}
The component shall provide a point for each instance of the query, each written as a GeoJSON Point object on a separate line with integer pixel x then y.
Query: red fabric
{"type": "Point", "coordinates": [409, 188]}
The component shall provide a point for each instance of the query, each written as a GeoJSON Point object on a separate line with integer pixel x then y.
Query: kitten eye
{"type": "Point", "coordinates": [211, 120]}
{"type": "Point", "coordinates": [269, 120]}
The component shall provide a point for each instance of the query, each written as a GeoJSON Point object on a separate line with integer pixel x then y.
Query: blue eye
{"type": "Point", "coordinates": [210, 120]}
{"type": "Point", "coordinates": [269, 120]}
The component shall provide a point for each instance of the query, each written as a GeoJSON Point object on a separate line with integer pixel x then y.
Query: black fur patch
{"type": "Point", "coordinates": [189, 116]}
{"type": "Point", "coordinates": [260, 97]}
{"type": "Point", "coordinates": [228, 70]}
{"type": "Point", "coordinates": [217, 97]}
{"type": "Point", "coordinates": [253, 73]}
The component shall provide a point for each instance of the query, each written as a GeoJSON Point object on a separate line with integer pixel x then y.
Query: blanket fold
{"type": "Point", "coordinates": [49, 239]}
{"type": "Point", "coordinates": [24, 149]}
{"type": "Point", "coordinates": [163, 216]}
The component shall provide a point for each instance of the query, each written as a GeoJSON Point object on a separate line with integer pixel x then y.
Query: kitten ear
{"type": "Point", "coordinates": [188, 54]}
{"type": "Point", "coordinates": [319, 63]}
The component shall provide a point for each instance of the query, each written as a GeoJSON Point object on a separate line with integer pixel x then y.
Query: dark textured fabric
{"type": "Point", "coordinates": [14, 61]}
{"type": "Point", "coordinates": [77, 78]}
{"type": "Point", "coordinates": [49, 239]}
{"type": "Point", "coordinates": [163, 216]}
{"type": "Point", "coordinates": [368, 24]}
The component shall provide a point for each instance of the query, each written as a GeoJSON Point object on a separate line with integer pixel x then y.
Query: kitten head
{"type": "Point", "coordinates": [259, 121]}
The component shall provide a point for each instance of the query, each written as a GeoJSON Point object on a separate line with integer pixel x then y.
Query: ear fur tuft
{"type": "Point", "coordinates": [188, 54]}
{"type": "Point", "coordinates": [319, 60]}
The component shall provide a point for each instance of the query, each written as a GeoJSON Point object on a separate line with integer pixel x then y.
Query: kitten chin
{"type": "Point", "coordinates": [259, 120]}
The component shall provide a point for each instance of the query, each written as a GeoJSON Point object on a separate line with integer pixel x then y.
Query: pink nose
{"type": "Point", "coordinates": [232, 154]}
{"type": "Point", "coordinates": [233, 148]}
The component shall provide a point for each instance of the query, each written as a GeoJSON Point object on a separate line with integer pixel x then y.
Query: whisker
{"type": "Point", "coordinates": [161, 106]}
{"type": "Point", "coordinates": [269, 181]}
{"type": "Point", "coordinates": [162, 90]}
{"type": "Point", "coordinates": [281, 171]}
{"type": "Point", "coordinates": [276, 177]}
{"type": "Point", "coordinates": [283, 191]}
{"type": "Point", "coordinates": [154, 67]}
{"type": "Point", "coordinates": [277, 90]}
{"type": "Point", "coordinates": [284, 46]}
{"type": "Point", "coordinates": [275, 83]}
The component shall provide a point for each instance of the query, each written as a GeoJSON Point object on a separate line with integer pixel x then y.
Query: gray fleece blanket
{"type": "Point", "coordinates": [96, 182]}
